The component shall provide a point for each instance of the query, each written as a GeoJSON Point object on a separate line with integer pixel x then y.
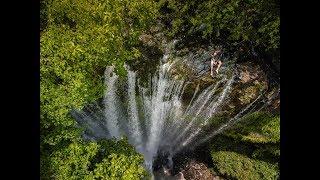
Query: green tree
{"type": "Point", "coordinates": [240, 167]}
{"type": "Point", "coordinates": [250, 150]}
{"type": "Point", "coordinates": [79, 38]}
{"type": "Point", "coordinates": [102, 160]}
{"type": "Point", "coordinates": [244, 24]}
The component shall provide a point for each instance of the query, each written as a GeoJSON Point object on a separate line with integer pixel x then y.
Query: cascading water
{"type": "Point", "coordinates": [134, 124]}
{"type": "Point", "coordinates": [111, 103]}
{"type": "Point", "coordinates": [157, 119]}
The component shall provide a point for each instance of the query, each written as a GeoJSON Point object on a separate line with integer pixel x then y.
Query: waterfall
{"type": "Point", "coordinates": [134, 124]}
{"type": "Point", "coordinates": [155, 115]}
{"type": "Point", "coordinates": [213, 109]}
{"type": "Point", "coordinates": [111, 102]}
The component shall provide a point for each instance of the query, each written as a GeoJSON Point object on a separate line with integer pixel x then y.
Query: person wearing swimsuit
{"type": "Point", "coordinates": [215, 63]}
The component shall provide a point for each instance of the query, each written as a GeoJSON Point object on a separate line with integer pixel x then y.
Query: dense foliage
{"type": "Point", "coordinates": [244, 26]}
{"type": "Point", "coordinates": [258, 128]}
{"type": "Point", "coordinates": [241, 167]}
{"type": "Point", "coordinates": [251, 150]}
{"type": "Point", "coordinates": [102, 160]}
{"type": "Point", "coordinates": [78, 39]}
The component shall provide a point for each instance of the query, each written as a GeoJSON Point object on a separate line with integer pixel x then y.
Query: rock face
{"type": "Point", "coordinates": [192, 63]}
{"type": "Point", "coordinates": [147, 39]}
{"type": "Point", "coordinates": [252, 81]}
{"type": "Point", "coordinates": [196, 171]}
{"type": "Point", "coordinates": [250, 72]}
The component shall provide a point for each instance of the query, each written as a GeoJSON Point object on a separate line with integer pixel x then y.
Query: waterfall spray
{"type": "Point", "coordinates": [111, 103]}
{"type": "Point", "coordinates": [157, 119]}
{"type": "Point", "coordinates": [134, 124]}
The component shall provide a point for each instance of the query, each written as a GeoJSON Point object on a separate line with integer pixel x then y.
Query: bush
{"type": "Point", "coordinates": [240, 167]}
{"type": "Point", "coordinates": [102, 160]}
{"type": "Point", "coordinates": [79, 38]}
{"type": "Point", "coordinates": [236, 23]}
{"type": "Point", "coordinates": [250, 150]}
{"type": "Point", "coordinates": [257, 128]}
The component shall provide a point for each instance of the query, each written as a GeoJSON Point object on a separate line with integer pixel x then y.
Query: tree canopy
{"type": "Point", "coordinates": [79, 38]}
{"type": "Point", "coordinates": [240, 25]}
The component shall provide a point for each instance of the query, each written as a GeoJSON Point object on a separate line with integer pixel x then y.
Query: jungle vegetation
{"type": "Point", "coordinates": [79, 38]}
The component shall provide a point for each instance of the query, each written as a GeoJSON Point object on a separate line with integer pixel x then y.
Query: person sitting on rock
{"type": "Point", "coordinates": [215, 63]}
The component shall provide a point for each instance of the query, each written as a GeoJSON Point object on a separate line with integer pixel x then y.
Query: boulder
{"type": "Point", "coordinates": [196, 171]}
{"type": "Point", "coordinates": [147, 39]}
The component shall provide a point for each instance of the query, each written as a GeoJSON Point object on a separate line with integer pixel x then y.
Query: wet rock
{"type": "Point", "coordinates": [155, 29]}
{"type": "Point", "coordinates": [196, 171]}
{"type": "Point", "coordinates": [273, 101]}
{"type": "Point", "coordinates": [244, 76]}
{"type": "Point", "coordinates": [250, 72]}
{"type": "Point", "coordinates": [154, 37]}
{"type": "Point", "coordinates": [252, 82]}
{"type": "Point", "coordinates": [147, 39]}
{"type": "Point", "coordinates": [247, 94]}
{"type": "Point", "coordinates": [180, 176]}
{"type": "Point", "coordinates": [166, 171]}
{"type": "Point", "coordinates": [192, 64]}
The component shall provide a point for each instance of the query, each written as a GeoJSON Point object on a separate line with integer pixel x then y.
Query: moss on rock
{"type": "Point", "coordinates": [238, 166]}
